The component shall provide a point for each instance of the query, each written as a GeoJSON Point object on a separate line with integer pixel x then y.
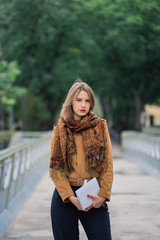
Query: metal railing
{"type": "Point", "coordinates": [142, 148]}
{"type": "Point", "coordinates": [19, 165]}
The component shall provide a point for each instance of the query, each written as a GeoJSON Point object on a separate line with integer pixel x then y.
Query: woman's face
{"type": "Point", "coordinates": [81, 105]}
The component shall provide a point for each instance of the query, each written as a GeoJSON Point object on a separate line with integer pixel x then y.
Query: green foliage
{"type": "Point", "coordinates": [127, 37]}
{"type": "Point", "coordinates": [36, 114]}
{"type": "Point", "coordinates": [112, 45]}
{"type": "Point", "coordinates": [9, 92]}
{"type": "Point", "coordinates": [98, 107]}
{"type": "Point", "coordinates": [44, 38]}
{"type": "Point", "coordinates": [8, 73]}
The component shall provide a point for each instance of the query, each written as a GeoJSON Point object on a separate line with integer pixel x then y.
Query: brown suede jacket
{"type": "Point", "coordinates": [63, 185]}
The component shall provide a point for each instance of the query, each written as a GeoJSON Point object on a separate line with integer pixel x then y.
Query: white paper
{"type": "Point", "coordinates": [92, 188]}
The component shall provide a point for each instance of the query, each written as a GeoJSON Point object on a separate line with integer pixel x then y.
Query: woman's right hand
{"type": "Point", "coordinates": [76, 203]}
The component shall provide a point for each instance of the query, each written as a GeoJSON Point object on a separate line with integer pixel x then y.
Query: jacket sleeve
{"type": "Point", "coordinates": [61, 183]}
{"type": "Point", "coordinates": [107, 178]}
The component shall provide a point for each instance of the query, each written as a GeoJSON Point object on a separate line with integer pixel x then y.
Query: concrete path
{"type": "Point", "coordinates": [135, 203]}
{"type": "Point", "coordinates": [134, 207]}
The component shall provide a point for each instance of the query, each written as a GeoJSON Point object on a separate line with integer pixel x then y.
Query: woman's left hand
{"type": "Point", "coordinates": [97, 200]}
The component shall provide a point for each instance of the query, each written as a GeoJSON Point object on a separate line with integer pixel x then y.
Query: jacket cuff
{"type": "Point", "coordinates": [102, 194]}
{"type": "Point", "coordinates": [66, 196]}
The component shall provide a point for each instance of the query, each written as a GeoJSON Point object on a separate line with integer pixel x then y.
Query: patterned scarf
{"type": "Point", "coordinates": [94, 142]}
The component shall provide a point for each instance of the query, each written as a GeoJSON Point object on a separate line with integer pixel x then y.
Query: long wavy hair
{"type": "Point", "coordinates": [67, 109]}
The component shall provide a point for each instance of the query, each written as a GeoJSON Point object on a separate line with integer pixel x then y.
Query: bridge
{"type": "Point", "coordinates": [26, 190]}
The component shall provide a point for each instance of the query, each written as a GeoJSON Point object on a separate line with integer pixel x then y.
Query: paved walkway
{"type": "Point", "coordinates": [134, 207]}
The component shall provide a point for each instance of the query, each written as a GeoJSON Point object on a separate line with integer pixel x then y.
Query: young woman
{"type": "Point", "coordinates": [80, 149]}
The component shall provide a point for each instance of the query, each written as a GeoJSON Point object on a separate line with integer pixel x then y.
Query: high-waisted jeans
{"type": "Point", "coordinates": [65, 216]}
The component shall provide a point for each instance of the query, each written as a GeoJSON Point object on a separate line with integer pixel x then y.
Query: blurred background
{"type": "Point", "coordinates": [45, 45]}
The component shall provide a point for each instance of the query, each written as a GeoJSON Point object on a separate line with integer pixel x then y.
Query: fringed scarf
{"type": "Point", "coordinates": [94, 141]}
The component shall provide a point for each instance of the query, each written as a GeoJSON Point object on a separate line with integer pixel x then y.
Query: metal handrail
{"type": "Point", "coordinates": [142, 148]}
{"type": "Point", "coordinates": [20, 164]}
{"type": "Point", "coordinates": [11, 150]}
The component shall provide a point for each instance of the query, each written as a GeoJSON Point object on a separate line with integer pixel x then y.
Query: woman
{"type": "Point", "coordinates": [80, 149]}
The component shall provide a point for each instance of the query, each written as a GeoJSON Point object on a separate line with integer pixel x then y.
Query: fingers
{"type": "Point", "coordinates": [91, 196]}
{"type": "Point", "coordinates": [89, 207]}
{"type": "Point", "coordinates": [97, 200]}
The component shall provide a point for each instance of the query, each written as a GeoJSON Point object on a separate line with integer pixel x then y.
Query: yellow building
{"type": "Point", "coordinates": [152, 115]}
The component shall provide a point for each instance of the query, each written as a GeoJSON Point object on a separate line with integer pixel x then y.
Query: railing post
{"type": "Point", "coordinates": [18, 175]}
{"type": "Point", "coordinates": [10, 180]}
{"type": "Point", "coordinates": [2, 175]}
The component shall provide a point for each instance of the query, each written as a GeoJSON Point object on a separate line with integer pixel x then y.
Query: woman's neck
{"type": "Point", "coordinates": [77, 117]}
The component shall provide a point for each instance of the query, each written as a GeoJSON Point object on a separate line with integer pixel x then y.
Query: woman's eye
{"type": "Point", "coordinates": [88, 100]}
{"type": "Point", "coordinates": [78, 100]}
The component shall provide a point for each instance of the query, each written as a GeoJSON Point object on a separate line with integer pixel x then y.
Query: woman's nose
{"type": "Point", "coordinates": [83, 104]}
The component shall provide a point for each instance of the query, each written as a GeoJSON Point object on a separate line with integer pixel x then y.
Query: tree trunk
{"type": "Point", "coordinates": [11, 117]}
{"type": "Point", "coordinates": [105, 109]}
{"type": "Point", "coordinates": [137, 115]}
{"type": "Point", "coordinates": [2, 122]}
{"type": "Point", "coordinates": [23, 103]}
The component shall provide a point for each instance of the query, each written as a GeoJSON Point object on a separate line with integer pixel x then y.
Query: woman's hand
{"type": "Point", "coordinates": [89, 207]}
{"type": "Point", "coordinates": [76, 203]}
{"type": "Point", "coordinates": [97, 200]}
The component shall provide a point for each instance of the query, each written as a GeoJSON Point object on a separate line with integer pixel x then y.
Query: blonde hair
{"type": "Point", "coordinates": [67, 110]}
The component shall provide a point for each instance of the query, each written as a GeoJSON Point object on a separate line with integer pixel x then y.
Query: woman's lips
{"type": "Point", "coordinates": [82, 110]}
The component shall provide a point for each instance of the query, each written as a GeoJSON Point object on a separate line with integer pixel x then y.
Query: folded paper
{"type": "Point", "coordinates": [92, 188]}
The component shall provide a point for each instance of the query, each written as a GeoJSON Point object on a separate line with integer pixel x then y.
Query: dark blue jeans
{"type": "Point", "coordinates": [64, 217]}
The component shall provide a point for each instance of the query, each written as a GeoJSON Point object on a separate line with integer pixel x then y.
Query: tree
{"type": "Point", "coordinates": [113, 45]}
{"type": "Point", "coordinates": [9, 93]}
{"type": "Point", "coordinates": [44, 39]}
{"type": "Point", "coordinates": [126, 67]}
